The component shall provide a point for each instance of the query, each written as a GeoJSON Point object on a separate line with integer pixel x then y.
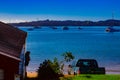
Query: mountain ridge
{"type": "Point", "coordinates": [109, 22]}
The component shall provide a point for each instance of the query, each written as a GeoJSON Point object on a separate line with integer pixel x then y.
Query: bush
{"type": "Point", "coordinates": [47, 72]}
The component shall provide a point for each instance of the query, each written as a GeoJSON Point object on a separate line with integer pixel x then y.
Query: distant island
{"type": "Point", "coordinates": [68, 23]}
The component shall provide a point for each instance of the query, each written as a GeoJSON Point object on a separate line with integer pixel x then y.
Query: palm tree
{"type": "Point", "coordinates": [68, 56]}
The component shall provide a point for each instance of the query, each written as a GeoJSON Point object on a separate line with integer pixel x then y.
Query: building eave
{"type": "Point", "coordinates": [7, 55]}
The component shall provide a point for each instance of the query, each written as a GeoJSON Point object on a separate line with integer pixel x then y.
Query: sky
{"type": "Point", "coordinates": [31, 10]}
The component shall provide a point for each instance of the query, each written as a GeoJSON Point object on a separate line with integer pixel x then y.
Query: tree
{"type": "Point", "coordinates": [48, 70]}
{"type": "Point", "coordinates": [55, 65]}
{"type": "Point", "coordinates": [68, 56]}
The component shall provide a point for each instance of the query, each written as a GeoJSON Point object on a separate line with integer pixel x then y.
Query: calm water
{"type": "Point", "coordinates": [88, 42]}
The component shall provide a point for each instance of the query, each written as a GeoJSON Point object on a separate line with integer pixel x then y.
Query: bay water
{"type": "Point", "coordinates": [89, 42]}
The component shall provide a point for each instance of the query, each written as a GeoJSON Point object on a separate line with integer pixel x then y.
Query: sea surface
{"type": "Point", "coordinates": [89, 42]}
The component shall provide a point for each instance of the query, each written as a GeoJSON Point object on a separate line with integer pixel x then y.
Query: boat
{"type": "Point", "coordinates": [111, 29]}
{"type": "Point", "coordinates": [65, 28]}
{"type": "Point", "coordinates": [79, 28]}
{"type": "Point", "coordinates": [37, 27]}
{"type": "Point", "coordinates": [30, 29]}
{"type": "Point", "coordinates": [54, 27]}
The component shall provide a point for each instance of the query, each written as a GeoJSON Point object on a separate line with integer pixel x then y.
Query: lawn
{"type": "Point", "coordinates": [92, 77]}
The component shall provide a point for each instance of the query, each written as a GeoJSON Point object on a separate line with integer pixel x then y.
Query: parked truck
{"type": "Point", "coordinates": [89, 66]}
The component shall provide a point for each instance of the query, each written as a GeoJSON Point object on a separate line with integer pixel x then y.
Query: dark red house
{"type": "Point", "coordinates": [12, 45]}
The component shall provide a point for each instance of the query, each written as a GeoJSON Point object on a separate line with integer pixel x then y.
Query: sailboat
{"type": "Point", "coordinates": [110, 28]}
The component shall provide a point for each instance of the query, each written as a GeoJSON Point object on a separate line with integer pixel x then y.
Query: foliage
{"type": "Point", "coordinates": [51, 70]}
{"type": "Point", "coordinates": [48, 70]}
{"type": "Point", "coordinates": [68, 56]}
{"type": "Point", "coordinates": [55, 65]}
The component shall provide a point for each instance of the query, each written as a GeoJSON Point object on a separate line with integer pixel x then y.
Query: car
{"type": "Point", "coordinates": [89, 66]}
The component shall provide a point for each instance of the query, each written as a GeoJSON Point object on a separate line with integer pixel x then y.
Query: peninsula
{"type": "Point", "coordinates": [68, 23]}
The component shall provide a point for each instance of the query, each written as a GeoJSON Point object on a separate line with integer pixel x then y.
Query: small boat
{"type": "Point", "coordinates": [65, 28]}
{"type": "Point", "coordinates": [79, 28]}
{"type": "Point", "coordinates": [54, 27]}
{"type": "Point", "coordinates": [111, 29]}
{"type": "Point", "coordinates": [30, 29]}
{"type": "Point", "coordinates": [36, 27]}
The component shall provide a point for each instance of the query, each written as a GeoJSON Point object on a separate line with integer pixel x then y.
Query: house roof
{"type": "Point", "coordinates": [11, 40]}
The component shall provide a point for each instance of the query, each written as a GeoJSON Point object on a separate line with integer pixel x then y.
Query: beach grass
{"type": "Point", "coordinates": [92, 77]}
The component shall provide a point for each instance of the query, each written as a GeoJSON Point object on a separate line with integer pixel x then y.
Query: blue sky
{"type": "Point", "coordinates": [28, 10]}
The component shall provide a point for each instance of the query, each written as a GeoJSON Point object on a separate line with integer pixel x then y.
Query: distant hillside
{"type": "Point", "coordinates": [69, 23]}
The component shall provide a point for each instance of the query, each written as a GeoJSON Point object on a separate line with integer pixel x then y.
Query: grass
{"type": "Point", "coordinates": [88, 77]}
{"type": "Point", "coordinates": [92, 77]}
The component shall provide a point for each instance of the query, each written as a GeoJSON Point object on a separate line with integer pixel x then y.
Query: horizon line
{"type": "Point", "coordinates": [23, 21]}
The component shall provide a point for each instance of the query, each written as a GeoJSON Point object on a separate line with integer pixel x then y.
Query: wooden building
{"type": "Point", "coordinates": [12, 43]}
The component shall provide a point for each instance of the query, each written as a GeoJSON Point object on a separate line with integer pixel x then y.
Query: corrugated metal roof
{"type": "Point", "coordinates": [11, 39]}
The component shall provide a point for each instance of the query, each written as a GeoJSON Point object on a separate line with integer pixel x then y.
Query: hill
{"type": "Point", "coordinates": [68, 23]}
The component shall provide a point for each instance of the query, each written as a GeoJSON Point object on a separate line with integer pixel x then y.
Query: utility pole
{"type": "Point", "coordinates": [27, 60]}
